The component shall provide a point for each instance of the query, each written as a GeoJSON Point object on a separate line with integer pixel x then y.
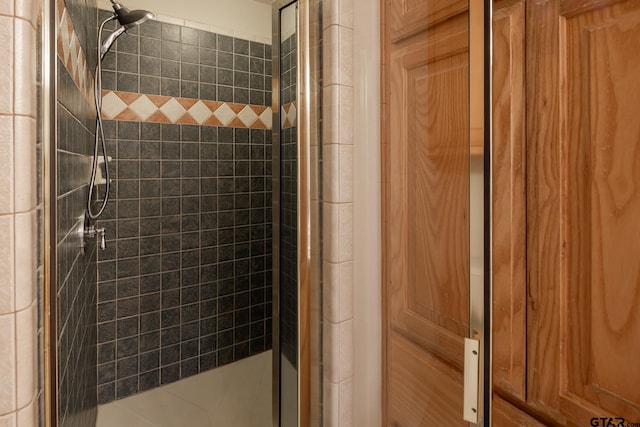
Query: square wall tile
{"type": "Point", "coordinates": [28, 416]}
{"type": "Point", "coordinates": [7, 276]}
{"type": "Point", "coordinates": [346, 115]}
{"type": "Point", "coordinates": [338, 63]}
{"type": "Point", "coordinates": [346, 349]}
{"type": "Point", "coordinates": [331, 403]}
{"type": "Point", "coordinates": [338, 114]}
{"type": "Point", "coordinates": [330, 173]}
{"type": "Point", "coordinates": [6, 159]}
{"type": "Point", "coordinates": [337, 12]}
{"type": "Point", "coordinates": [7, 363]}
{"type": "Point", "coordinates": [331, 291]}
{"type": "Point", "coordinates": [345, 172]}
{"type": "Point", "coordinates": [6, 8]}
{"type": "Point", "coordinates": [8, 420]}
{"type": "Point", "coordinates": [6, 65]}
{"type": "Point", "coordinates": [346, 403]}
{"type": "Point", "coordinates": [338, 173]}
{"type": "Point", "coordinates": [337, 232]}
{"type": "Point", "coordinates": [25, 163]}
{"type": "Point", "coordinates": [331, 350]}
{"type": "Point", "coordinates": [330, 114]}
{"type": "Point", "coordinates": [25, 60]}
{"type": "Point", "coordinates": [26, 351]}
{"type": "Point", "coordinates": [27, 9]}
{"type": "Point", "coordinates": [345, 58]}
{"type": "Point", "coordinates": [25, 258]}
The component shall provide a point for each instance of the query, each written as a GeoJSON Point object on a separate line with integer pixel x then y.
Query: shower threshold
{"type": "Point", "coordinates": [234, 395]}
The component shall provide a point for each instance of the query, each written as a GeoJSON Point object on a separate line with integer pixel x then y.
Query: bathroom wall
{"type": "Point", "coordinates": [20, 214]}
{"type": "Point", "coordinates": [185, 282]}
{"type": "Point", "coordinates": [245, 19]}
{"type": "Point", "coordinates": [76, 269]}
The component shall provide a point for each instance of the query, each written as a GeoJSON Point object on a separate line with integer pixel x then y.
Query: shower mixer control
{"type": "Point", "coordinates": [96, 233]}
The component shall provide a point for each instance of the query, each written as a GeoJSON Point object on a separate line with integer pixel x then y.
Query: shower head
{"type": "Point", "coordinates": [127, 20]}
{"type": "Point", "coordinates": [130, 18]}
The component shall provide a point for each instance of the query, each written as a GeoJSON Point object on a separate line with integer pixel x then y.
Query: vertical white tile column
{"type": "Point", "coordinates": [337, 211]}
{"type": "Point", "coordinates": [18, 228]}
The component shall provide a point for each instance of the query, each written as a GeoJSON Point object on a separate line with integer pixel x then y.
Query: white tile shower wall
{"type": "Point", "coordinates": [338, 93]}
{"type": "Point", "coordinates": [18, 204]}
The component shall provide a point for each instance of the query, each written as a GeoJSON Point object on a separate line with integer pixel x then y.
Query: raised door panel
{"type": "Point", "coordinates": [409, 17]}
{"type": "Point", "coordinates": [506, 415]}
{"type": "Point", "coordinates": [509, 200]}
{"type": "Point", "coordinates": [583, 197]}
{"type": "Point", "coordinates": [601, 206]}
{"type": "Point", "coordinates": [423, 390]}
{"type": "Point", "coordinates": [429, 194]}
{"type": "Point", "coordinates": [428, 257]}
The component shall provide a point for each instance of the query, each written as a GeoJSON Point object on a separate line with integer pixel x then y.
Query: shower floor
{"type": "Point", "coordinates": [234, 395]}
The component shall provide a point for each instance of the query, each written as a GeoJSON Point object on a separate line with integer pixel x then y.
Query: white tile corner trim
{"type": "Point", "coordinates": [18, 355]}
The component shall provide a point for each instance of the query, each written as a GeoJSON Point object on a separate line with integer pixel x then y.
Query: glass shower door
{"type": "Point", "coordinates": [296, 255]}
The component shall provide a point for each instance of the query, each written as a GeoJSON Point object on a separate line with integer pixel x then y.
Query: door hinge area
{"type": "Point", "coordinates": [471, 379]}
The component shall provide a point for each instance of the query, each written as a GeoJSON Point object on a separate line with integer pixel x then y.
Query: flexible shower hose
{"type": "Point", "coordinates": [99, 136]}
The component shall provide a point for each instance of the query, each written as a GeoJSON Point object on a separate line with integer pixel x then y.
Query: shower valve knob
{"type": "Point", "coordinates": [91, 232]}
{"type": "Point", "coordinates": [101, 236]}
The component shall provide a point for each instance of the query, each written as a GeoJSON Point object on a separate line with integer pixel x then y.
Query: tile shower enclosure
{"type": "Point", "coordinates": [76, 270]}
{"type": "Point", "coordinates": [185, 283]}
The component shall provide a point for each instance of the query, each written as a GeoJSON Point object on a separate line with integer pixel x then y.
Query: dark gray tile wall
{"type": "Point", "coordinates": [288, 209]}
{"type": "Point", "coordinates": [185, 282]}
{"type": "Point", "coordinates": [76, 279]}
{"type": "Point", "coordinates": [165, 59]}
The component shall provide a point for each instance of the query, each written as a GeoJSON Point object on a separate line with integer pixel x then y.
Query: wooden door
{"type": "Point", "coordinates": [426, 209]}
{"type": "Point", "coordinates": [584, 197]}
{"type": "Point", "coordinates": [575, 300]}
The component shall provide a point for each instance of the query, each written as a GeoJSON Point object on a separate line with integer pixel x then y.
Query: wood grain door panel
{"type": "Point", "coordinates": [410, 17]}
{"type": "Point", "coordinates": [429, 194]}
{"type": "Point", "coordinates": [601, 205]}
{"type": "Point", "coordinates": [507, 415]}
{"type": "Point", "coordinates": [423, 390]}
{"type": "Point", "coordinates": [509, 200]}
{"type": "Point", "coordinates": [427, 206]}
{"type": "Point", "coordinates": [583, 205]}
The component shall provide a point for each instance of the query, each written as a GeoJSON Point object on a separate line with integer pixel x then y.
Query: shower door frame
{"type": "Point", "coordinates": [49, 131]}
{"type": "Point", "coordinates": [309, 223]}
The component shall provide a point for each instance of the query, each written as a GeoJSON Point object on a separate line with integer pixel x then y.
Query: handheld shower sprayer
{"type": "Point", "coordinates": [127, 19]}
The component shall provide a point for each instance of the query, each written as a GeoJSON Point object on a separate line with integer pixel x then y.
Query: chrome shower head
{"type": "Point", "coordinates": [127, 20]}
{"type": "Point", "coordinates": [130, 18]}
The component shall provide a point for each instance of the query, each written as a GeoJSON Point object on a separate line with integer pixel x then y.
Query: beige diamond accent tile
{"type": "Point", "coordinates": [64, 37]}
{"type": "Point", "coordinates": [267, 118]}
{"type": "Point", "coordinates": [112, 105]}
{"type": "Point", "coordinates": [143, 107]}
{"type": "Point", "coordinates": [200, 112]}
{"type": "Point", "coordinates": [283, 117]}
{"type": "Point", "coordinates": [72, 55]}
{"type": "Point", "coordinates": [292, 116]}
{"type": "Point", "coordinates": [247, 116]}
{"type": "Point", "coordinates": [173, 110]}
{"type": "Point", "coordinates": [225, 114]}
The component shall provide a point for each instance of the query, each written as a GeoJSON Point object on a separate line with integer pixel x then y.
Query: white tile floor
{"type": "Point", "coordinates": [234, 395]}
